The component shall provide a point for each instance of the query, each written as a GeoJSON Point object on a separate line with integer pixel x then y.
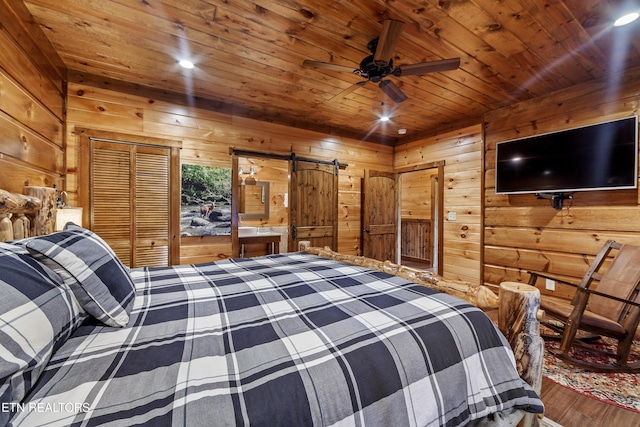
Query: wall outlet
{"type": "Point", "coordinates": [452, 216]}
{"type": "Point", "coordinates": [550, 284]}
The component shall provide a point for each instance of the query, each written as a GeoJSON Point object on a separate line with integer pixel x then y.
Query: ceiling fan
{"type": "Point", "coordinates": [379, 64]}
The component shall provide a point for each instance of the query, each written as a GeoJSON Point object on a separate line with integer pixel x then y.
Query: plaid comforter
{"type": "Point", "coordinates": [283, 340]}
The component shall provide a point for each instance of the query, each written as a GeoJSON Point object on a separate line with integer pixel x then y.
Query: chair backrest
{"type": "Point", "coordinates": [622, 280]}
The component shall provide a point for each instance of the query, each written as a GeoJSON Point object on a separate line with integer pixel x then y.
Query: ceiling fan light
{"type": "Point", "coordinates": [626, 19]}
{"type": "Point", "coordinates": [185, 63]}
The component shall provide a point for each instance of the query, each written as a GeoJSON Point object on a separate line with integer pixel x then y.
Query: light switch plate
{"type": "Point", "coordinates": [452, 216]}
{"type": "Point", "coordinates": [550, 284]}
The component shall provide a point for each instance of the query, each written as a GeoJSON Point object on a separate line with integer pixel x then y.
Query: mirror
{"type": "Point", "coordinates": [253, 200]}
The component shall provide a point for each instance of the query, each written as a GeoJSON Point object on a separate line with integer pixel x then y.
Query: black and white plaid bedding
{"type": "Point", "coordinates": [283, 340]}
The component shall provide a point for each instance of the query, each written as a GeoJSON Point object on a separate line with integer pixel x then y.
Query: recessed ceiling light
{"type": "Point", "coordinates": [384, 118]}
{"type": "Point", "coordinates": [402, 131]}
{"type": "Point", "coordinates": [185, 63]}
{"type": "Point", "coordinates": [626, 19]}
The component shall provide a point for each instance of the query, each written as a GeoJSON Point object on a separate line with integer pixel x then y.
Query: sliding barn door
{"type": "Point", "coordinates": [379, 216]}
{"type": "Point", "coordinates": [314, 204]}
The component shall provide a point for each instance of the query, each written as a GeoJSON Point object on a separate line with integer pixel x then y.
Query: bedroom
{"type": "Point", "coordinates": [493, 238]}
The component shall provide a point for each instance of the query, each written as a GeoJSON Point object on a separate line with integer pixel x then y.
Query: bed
{"type": "Point", "coordinates": [283, 340]}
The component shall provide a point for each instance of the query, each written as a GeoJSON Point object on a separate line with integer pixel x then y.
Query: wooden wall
{"type": "Point", "coordinates": [276, 173]}
{"type": "Point", "coordinates": [416, 194]}
{"type": "Point", "coordinates": [32, 100]}
{"type": "Point", "coordinates": [519, 232]}
{"type": "Point", "coordinates": [524, 233]}
{"type": "Point", "coordinates": [461, 150]}
{"type": "Point", "coordinates": [206, 138]}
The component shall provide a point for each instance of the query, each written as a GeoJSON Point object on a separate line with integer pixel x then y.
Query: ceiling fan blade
{"type": "Point", "coordinates": [328, 66]}
{"type": "Point", "coordinates": [393, 91]}
{"type": "Point", "coordinates": [427, 67]}
{"type": "Point", "coordinates": [348, 90]}
{"type": "Point", "coordinates": [388, 39]}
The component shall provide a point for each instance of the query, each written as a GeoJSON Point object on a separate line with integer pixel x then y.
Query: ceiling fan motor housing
{"type": "Point", "coordinates": [369, 69]}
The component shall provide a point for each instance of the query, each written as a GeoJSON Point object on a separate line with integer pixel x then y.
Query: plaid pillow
{"type": "Point", "coordinates": [37, 315]}
{"type": "Point", "coordinates": [93, 272]}
{"type": "Point", "coordinates": [15, 246]}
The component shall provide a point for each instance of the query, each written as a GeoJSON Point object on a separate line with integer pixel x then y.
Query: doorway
{"type": "Point", "coordinates": [308, 201]}
{"type": "Point", "coordinates": [259, 205]}
{"type": "Point", "coordinates": [420, 205]}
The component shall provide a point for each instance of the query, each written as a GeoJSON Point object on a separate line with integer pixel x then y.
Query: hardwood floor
{"type": "Point", "coordinates": [571, 409]}
{"type": "Point", "coordinates": [419, 265]}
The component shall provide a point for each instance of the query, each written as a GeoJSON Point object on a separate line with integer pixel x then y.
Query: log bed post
{"type": "Point", "coordinates": [519, 318]}
{"type": "Point", "coordinates": [44, 221]}
{"type": "Point", "coordinates": [32, 213]}
{"type": "Point", "coordinates": [18, 203]}
{"type": "Point", "coordinates": [20, 207]}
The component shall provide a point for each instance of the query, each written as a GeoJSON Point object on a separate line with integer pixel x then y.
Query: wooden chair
{"type": "Point", "coordinates": [611, 310]}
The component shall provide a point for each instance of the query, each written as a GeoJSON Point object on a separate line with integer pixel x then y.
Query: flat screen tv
{"type": "Point", "coordinates": [603, 156]}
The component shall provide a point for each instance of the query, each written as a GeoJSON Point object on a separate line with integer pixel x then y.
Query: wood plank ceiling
{"type": "Point", "coordinates": [249, 55]}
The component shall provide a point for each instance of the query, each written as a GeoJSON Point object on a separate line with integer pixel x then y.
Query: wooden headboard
{"type": "Point", "coordinates": [32, 213]}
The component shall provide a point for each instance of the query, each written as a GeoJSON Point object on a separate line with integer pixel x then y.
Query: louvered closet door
{"type": "Point", "coordinates": [112, 196]}
{"type": "Point", "coordinates": [151, 226]}
{"type": "Point", "coordinates": [130, 201]}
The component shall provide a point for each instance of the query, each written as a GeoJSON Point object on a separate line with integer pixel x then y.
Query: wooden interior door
{"type": "Point", "coordinates": [379, 216]}
{"type": "Point", "coordinates": [313, 204]}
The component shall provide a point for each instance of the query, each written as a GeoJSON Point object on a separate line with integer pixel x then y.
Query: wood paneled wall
{"type": "Point", "coordinates": [524, 233]}
{"type": "Point", "coordinates": [206, 138]}
{"type": "Point", "coordinates": [32, 101]}
{"type": "Point", "coordinates": [276, 173]}
{"type": "Point", "coordinates": [461, 151]}
{"type": "Point", "coordinates": [416, 194]}
{"type": "Point", "coordinates": [519, 232]}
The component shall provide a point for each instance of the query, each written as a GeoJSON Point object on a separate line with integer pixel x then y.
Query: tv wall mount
{"type": "Point", "coordinates": [557, 199]}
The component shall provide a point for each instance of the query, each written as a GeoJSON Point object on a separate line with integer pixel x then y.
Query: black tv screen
{"type": "Point", "coordinates": [603, 156]}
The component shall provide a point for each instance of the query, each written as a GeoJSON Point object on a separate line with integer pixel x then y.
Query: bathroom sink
{"type": "Point", "coordinates": [247, 231]}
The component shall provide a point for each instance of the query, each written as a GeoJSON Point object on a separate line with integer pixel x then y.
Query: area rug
{"type": "Point", "coordinates": [615, 389]}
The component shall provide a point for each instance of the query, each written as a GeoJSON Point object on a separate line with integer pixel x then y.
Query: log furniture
{"type": "Point", "coordinates": [476, 294]}
{"type": "Point", "coordinates": [519, 319]}
{"type": "Point", "coordinates": [30, 214]}
{"type": "Point", "coordinates": [612, 308]}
